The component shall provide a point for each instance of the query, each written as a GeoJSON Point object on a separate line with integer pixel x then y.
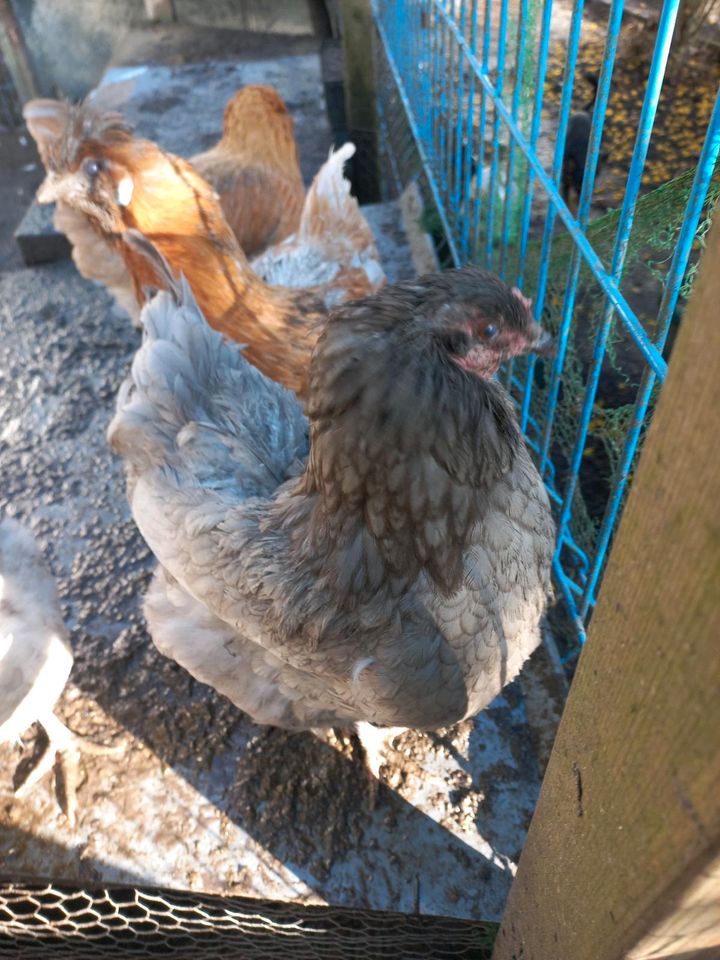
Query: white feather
{"type": "Point", "coordinates": [358, 668]}
{"type": "Point", "coordinates": [125, 190]}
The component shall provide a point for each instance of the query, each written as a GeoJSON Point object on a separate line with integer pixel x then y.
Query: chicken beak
{"type": "Point", "coordinates": [544, 344]}
{"type": "Point", "coordinates": [48, 191]}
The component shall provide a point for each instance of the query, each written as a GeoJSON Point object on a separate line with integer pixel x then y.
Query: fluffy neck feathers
{"type": "Point", "coordinates": [405, 450]}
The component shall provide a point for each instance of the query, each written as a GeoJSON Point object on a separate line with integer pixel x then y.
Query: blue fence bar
{"type": "Point", "coordinates": [568, 82]}
{"type": "Point", "coordinates": [591, 166]}
{"type": "Point", "coordinates": [461, 149]}
{"type": "Point", "coordinates": [477, 208]}
{"type": "Point", "coordinates": [498, 93]}
{"type": "Point", "coordinates": [534, 133]}
{"type": "Point", "coordinates": [465, 228]}
{"type": "Point", "coordinates": [517, 90]}
{"type": "Point", "coordinates": [500, 206]}
{"type": "Point", "coordinates": [642, 142]}
{"type": "Point", "coordinates": [529, 187]}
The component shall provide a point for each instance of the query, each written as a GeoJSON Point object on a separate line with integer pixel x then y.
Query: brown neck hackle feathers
{"type": "Point", "coordinates": [176, 208]}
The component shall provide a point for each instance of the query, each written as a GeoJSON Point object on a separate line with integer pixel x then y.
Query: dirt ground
{"type": "Point", "coordinates": [684, 109]}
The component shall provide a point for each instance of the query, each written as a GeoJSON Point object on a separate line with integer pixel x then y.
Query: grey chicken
{"type": "Point", "coordinates": [392, 567]}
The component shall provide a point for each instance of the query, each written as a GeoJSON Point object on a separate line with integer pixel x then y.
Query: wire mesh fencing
{"type": "Point", "coordinates": [41, 920]}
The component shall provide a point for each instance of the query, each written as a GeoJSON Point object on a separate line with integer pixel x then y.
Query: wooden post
{"type": "Point", "coordinates": [15, 54]}
{"type": "Point", "coordinates": [160, 10]}
{"type": "Point", "coordinates": [623, 854]}
{"type": "Point", "coordinates": [361, 95]}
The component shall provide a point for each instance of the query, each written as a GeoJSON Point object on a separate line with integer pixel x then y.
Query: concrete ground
{"type": "Point", "coordinates": [199, 797]}
{"type": "Point", "coordinates": [99, 28]}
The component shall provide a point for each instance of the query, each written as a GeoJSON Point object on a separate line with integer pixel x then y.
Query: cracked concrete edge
{"type": "Point", "coordinates": [421, 246]}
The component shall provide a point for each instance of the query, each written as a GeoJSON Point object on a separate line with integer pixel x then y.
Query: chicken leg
{"type": "Point", "coordinates": [61, 754]}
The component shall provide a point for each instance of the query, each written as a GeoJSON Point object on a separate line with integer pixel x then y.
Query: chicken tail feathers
{"type": "Point", "coordinates": [330, 185]}
{"type": "Point", "coordinates": [330, 209]}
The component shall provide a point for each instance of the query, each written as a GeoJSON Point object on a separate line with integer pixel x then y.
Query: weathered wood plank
{"type": "Point", "coordinates": [159, 10]}
{"type": "Point", "coordinates": [625, 839]}
{"type": "Point", "coordinates": [360, 95]}
{"type": "Point", "coordinates": [693, 920]}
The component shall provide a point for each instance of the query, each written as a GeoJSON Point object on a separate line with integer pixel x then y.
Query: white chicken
{"type": "Point", "coordinates": [35, 656]}
{"type": "Point", "coordinates": [35, 661]}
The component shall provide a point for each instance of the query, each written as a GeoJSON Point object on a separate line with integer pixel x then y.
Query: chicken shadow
{"type": "Point", "coordinates": [313, 808]}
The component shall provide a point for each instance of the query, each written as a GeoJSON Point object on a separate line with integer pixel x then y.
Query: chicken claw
{"type": "Point", "coordinates": [60, 754]}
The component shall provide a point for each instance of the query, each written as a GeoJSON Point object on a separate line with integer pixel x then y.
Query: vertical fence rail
{"type": "Point", "coordinates": [591, 166]}
{"type": "Point", "coordinates": [517, 90]}
{"type": "Point", "coordinates": [568, 81]}
{"type": "Point", "coordinates": [481, 164]}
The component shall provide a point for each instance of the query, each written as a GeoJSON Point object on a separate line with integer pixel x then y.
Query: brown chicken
{"type": "Point", "coordinates": [401, 575]}
{"type": "Point", "coordinates": [118, 182]}
{"type": "Point", "coordinates": [254, 168]}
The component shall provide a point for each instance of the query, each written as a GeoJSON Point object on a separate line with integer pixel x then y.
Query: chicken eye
{"type": "Point", "coordinates": [490, 331]}
{"type": "Point", "coordinates": [92, 167]}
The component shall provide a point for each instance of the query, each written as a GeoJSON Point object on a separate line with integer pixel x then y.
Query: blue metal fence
{"type": "Point", "coordinates": [472, 79]}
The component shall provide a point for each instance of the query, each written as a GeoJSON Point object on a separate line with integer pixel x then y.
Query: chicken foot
{"type": "Point", "coordinates": [376, 742]}
{"type": "Point", "coordinates": [61, 754]}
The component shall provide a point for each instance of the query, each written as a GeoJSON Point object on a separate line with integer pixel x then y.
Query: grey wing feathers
{"type": "Point", "coordinates": [204, 435]}
{"type": "Point", "coordinates": [193, 403]}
